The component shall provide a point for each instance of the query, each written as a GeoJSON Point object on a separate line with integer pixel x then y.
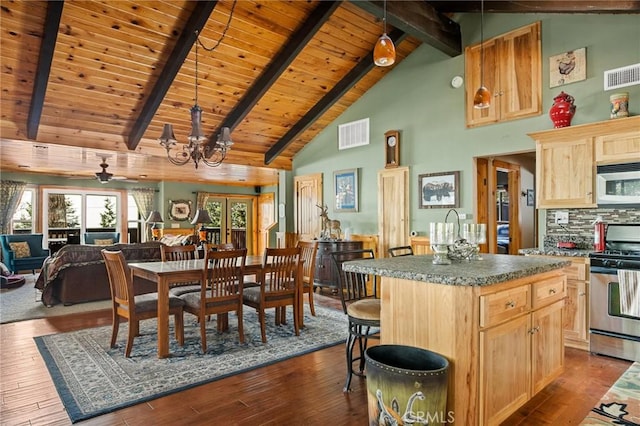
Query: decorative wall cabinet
{"type": "Point", "coordinates": [512, 72]}
{"type": "Point", "coordinates": [566, 159]}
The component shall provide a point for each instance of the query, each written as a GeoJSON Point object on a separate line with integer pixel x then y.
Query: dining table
{"type": "Point", "coordinates": [178, 271]}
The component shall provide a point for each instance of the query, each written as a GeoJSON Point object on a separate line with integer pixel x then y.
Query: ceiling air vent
{"type": "Point", "coordinates": [353, 134]}
{"type": "Point", "coordinates": [622, 77]}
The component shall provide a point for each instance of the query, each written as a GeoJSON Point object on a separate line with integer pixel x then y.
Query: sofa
{"type": "Point", "coordinates": [101, 238]}
{"type": "Point", "coordinates": [23, 252]}
{"type": "Point", "coordinates": [76, 273]}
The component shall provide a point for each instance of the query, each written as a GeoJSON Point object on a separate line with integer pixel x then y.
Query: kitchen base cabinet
{"type": "Point", "coordinates": [504, 342]}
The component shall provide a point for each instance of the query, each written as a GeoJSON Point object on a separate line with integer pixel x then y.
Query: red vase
{"type": "Point", "coordinates": [562, 110]}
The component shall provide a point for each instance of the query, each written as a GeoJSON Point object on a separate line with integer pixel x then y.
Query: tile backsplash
{"type": "Point", "coordinates": [580, 227]}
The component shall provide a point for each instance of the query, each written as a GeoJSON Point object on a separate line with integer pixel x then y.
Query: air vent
{"type": "Point", "coordinates": [351, 135]}
{"type": "Point", "coordinates": [622, 77]}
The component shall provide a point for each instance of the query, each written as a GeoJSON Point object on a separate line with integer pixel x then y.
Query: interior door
{"type": "Point", "coordinates": [233, 221]}
{"type": "Point", "coordinates": [266, 219]}
{"type": "Point", "coordinates": [393, 208]}
{"type": "Point", "coordinates": [307, 198]}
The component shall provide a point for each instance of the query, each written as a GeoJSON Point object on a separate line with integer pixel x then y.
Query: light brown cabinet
{"type": "Point", "coordinates": [505, 340]}
{"type": "Point", "coordinates": [512, 73]}
{"type": "Point", "coordinates": [525, 330]}
{"type": "Point", "coordinates": [566, 159]}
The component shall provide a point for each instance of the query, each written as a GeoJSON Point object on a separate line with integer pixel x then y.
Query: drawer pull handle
{"type": "Point", "coordinates": [510, 304]}
{"type": "Point", "coordinates": [534, 330]}
{"type": "Point", "coordinates": [552, 291]}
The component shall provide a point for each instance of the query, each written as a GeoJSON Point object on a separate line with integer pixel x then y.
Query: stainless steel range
{"type": "Point", "coordinates": [614, 327]}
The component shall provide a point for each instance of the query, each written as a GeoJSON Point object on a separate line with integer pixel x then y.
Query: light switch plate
{"type": "Point", "coordinates": [562, 217]}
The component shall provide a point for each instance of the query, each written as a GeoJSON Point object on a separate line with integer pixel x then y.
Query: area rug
{"type": "Point", "coordinates": [23, 303]}
{"type": "Point", "coordinates": [621, 404]}
{"type": "Point", "coordinates": [93, 379]}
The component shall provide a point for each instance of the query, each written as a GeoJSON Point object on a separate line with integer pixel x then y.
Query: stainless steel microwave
{"type": "Point", "coordinates": [618, 185]}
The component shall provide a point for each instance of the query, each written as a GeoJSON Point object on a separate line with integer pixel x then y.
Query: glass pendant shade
{"type": "Point", "coordinates": [482, 98]}
{"type": "Point", "coordinates": [384, 52]}
{"type": "Point", "coordinates": [167, 137]}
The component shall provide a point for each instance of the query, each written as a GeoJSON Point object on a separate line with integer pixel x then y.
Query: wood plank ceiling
{"type": "Point", "coordinates": [85, 79]}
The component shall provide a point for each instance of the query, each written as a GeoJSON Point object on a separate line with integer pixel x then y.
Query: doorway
{"type": "Point", "coordinates": [232, 221]}
{"type": "Point", "coordinates": [502, 186]}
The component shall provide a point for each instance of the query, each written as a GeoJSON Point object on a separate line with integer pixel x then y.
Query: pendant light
{"type": "Point", "coordinates": [482, 98]}
{"type": "Point", "coordinates": [384, 52]}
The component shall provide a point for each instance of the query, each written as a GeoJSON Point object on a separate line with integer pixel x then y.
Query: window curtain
{"type": "Point", "coordinates": [201, 200]}
{"type": "Point", "coordinates": [10, 194]}
{"type": "Point", "coordinates": [144, 200]}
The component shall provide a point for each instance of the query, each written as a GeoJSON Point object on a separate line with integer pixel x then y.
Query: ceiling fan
{"type": "Point", "coordinates": [104, 176]}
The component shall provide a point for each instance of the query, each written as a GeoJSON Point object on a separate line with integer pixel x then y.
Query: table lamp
{"type": "Point", "coordinates": [201, 217]}
{"type": "Point", "coordinates": [155, 218]}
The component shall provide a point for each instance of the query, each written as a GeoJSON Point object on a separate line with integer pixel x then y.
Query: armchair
{"type": "Point", "coordinates": [17, 262]}
{"type": "Point", "coordinates": [91, 237]}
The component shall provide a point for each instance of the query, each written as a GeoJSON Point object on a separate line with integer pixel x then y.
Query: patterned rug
{"type": "Point", "coordinates": [621, 404]}
{"type": "Point", "coordinates": [93, 379]}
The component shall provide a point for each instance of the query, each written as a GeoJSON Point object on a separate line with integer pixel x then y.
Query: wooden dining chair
{"type": "Point", "coordinates": [221, 292]}
{"type": "Point", "coordinates": [358, 295]}
{"type": "Point", "coordinates": [187, 252]}
{"type": "Point", "coordinates": [280, 286]}
{"type": "Point", "coordinates": [173, 253]}
{"type": "Point", "coordinates": [400, 251]}
{"type": "Point", "coordinates": [308, 255]}
{"type": "Point", "coordinates": [134, 308]}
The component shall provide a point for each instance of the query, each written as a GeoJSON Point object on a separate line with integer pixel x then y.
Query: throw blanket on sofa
{"type": "Point", "coordinates": [81, 255]}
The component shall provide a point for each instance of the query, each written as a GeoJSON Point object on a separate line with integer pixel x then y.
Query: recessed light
{"type": "Point", "coordinates": [142, 176]}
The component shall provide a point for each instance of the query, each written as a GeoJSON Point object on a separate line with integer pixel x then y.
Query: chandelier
{"type": "Point", "coordinates": [211, 154]}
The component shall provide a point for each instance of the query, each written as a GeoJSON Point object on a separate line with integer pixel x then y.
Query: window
{"type": "Point", "coordinates": [22, 221]}
{"type": "Point", "coordinates": [74, 212]}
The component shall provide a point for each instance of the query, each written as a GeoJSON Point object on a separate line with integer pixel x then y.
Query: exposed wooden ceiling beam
{"type": "Point", "coordinates": [347, 82]}
{"type": "Point", "coordinates": [196, 22]}
{"type": "Point", "coordinates": [49, 37]}
{"type": "Point", "coordinates": [421, 20]}
{"type": "Point", "coordinates": [296, 43]}
{"type": "Point", "coordinates": [544, 6]}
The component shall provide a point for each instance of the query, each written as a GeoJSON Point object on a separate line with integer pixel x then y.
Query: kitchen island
{"type": "Point", "coordinates": [498, 321]}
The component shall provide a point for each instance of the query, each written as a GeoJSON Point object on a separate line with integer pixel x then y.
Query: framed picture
{"type": "Point", "coordinates": [439, 190]}
{"type": "Point", "coordinates": [345, 184]}
{"type": "Point", "coordinates": [568, 67]}
{"type": "Point", "coordinates": [531, 201]}
{"type": "Point", "coordinates": [179, 209]}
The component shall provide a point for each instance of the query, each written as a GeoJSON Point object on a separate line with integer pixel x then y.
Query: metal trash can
{"type": "Point", "coordinates": [406, 385]}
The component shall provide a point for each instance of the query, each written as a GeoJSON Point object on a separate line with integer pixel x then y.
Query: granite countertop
{"type": "Point", "coordinates": [493, 269]}
{"type": "Point", "coordinates": [556, 252]}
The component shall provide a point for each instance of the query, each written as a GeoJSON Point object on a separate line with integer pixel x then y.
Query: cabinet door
{"type": "Point", "coordinates": [474, 79]}
{"type": "Point", "coordinates": [575, 315]}
{"type": "Point", "coordinates": [618, 147]}
{"type": "Point", "coordinates": [564, 173]}
{"type": "Point", "coordinates": [547, 345]}
{"type": "Point", "coordinates": [505, 357]}
{"type": "Point", "coordinates": [519, 88]}
{"type": "Point", "coordinates": [512, 73]}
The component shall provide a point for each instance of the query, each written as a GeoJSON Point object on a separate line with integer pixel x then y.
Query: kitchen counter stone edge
{"type": "Point", "coordinates": [492, 269]}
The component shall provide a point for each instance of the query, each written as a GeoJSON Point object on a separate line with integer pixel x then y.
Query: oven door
{"type": "Point", "coordinates": [611, 332]}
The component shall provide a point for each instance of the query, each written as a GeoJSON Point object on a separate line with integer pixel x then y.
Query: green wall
{"type": "Point", "coordinates": [416, 97]}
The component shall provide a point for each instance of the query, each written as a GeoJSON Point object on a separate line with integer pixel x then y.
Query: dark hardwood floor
{"type": "Point", "coordinates": [303, 391]}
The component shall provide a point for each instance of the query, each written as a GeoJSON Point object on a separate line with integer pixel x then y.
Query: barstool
{"type": "Point", "coordinates": [358, 294]}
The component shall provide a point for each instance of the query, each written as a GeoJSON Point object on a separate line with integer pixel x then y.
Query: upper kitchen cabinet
{"type": "Point", "coordinates": [512, 73]}
{"type": "Point", "coordinates": [566, 159]}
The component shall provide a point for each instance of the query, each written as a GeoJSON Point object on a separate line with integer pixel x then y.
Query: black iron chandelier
{"type": "Point", "coordinates": [198, 149]}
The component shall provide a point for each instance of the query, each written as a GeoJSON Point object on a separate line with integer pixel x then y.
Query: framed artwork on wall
{"type": "Point", "coordinates": [345, 184]}
{"type": "Point", "coordinates": [568, 67]}
{"type": "Point", "coordinates": [439, 190]}
{"type": "Point", "coordinates": [179, 210]}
